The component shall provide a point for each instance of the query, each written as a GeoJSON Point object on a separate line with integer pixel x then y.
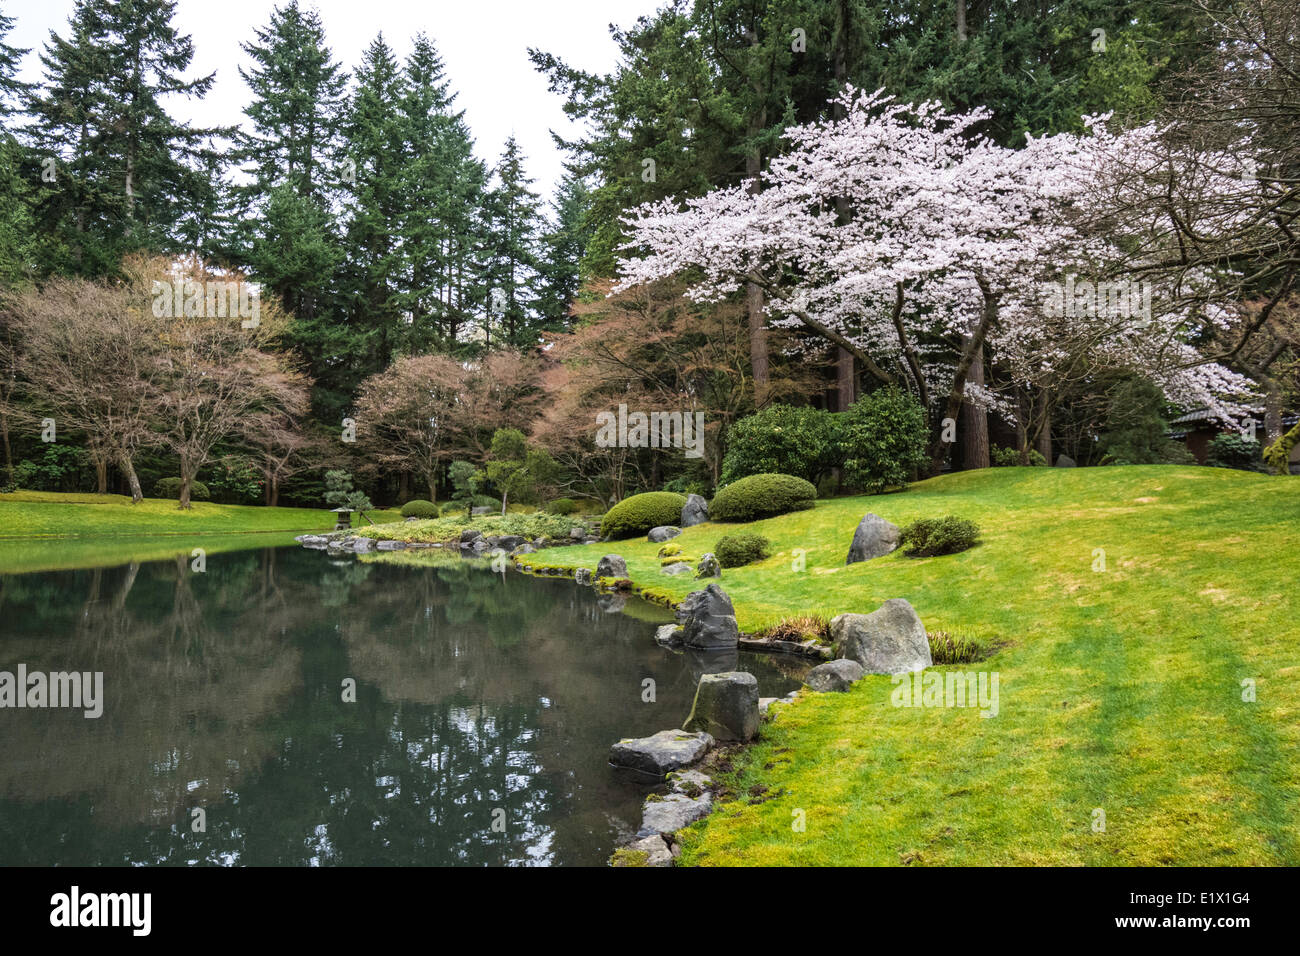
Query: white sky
{"type": "Point", "coordinates": [484, 46]}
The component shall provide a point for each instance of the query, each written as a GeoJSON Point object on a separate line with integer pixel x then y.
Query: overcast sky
{"type": "Point", "coordinates": [484, 44]}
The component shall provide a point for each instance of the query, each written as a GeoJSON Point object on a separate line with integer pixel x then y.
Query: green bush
{"type": "Point", "coordinates": [639, 513]}
{"type": "Point", "coordinates": [1010, 457]}
{"type": "Point", "coordinates": [419, 508]}
{"type": "Point", "coordinates": [781, 439]}
{"type": "Point", "coordinates": [1135, 431]}
{"type": "Point", "coordinates": [761, 496]}
{"type": "Point", "coordinates": [1230, 450]}
{"type": "Point", "coordinates": [171, 488]}
{"type": "Point", "coordinates": [882, 440]}
{"type": "Point", "coordinates": [487, 501]}
{"type": "Point", "coordinates": [737, 550]}
{"type": "Point", "coordinates": [931, 536]}
{"type": "Point", "coordinates": [453, 508]}
{"type": "Point", "coordinates": [688, 485]}
{"type": "Point", "coordinates": [562, 506]}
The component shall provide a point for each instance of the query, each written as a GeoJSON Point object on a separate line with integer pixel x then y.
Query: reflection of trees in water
{"type": "Point", "coordinates": [192, 666]}
{"type": "Point", "coordinates": [475, 692]}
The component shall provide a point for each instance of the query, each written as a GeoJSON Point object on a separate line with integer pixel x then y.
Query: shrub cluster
{"type": "Point", "coordinates": [737, 550]}
{"type": "Point", "coordinates": [762, 496]}
{"type": "Point", "coordinates": [1230, 450]}
{"type": "Point", "coordinates": [781, 439]}
{"type": "Point", "coordinates": [882, 439]}
{"type": "Point", "coordinates": [419, 508]}
{"type": "Point", "coordinates": [562, 506]}
{"type": "Point", "coordinates": [638, 514]}
{"type": "Point", "coordinates": [931, 536]}
{"type": "Point", "coordinates": [171, 488]}
{"type": "Point", "coordinates": [1010, 457]}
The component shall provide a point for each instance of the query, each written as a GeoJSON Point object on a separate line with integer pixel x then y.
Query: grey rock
{"type": "Point", "coordinates": [889, 640]}
{"type": "Point", "coordinates": [709, 619]}
{"type": "Point", "coordinates": [612, 603]}
{"type": "Point", "coordinates": [695, 511]}
{"type": "Point", "coordinates": [764, 703]}
{"type": "Point", "coordinates": [673, 812]}
{"type": "Point", "coordinates": [874, 538]}
{"type": "Point", "coordinates": [361, 544]}
{"type": "Point", "coordinates": [655, 849]}
{"type": "Point", "coordinates": [470, 534]}
{"type": "Point", "coordinates": [677, 567]}
{"type": "Point", "coordinates": [726, 706]}
{"type": "Point", "coordinates": [577, 534]}
{"type": "Point", "coordinates": [584, 576]}
{"type": "Point", "coordinates": [412, 518]}
{"type": "Point", "coordinates": [660, 753]}
{"type": "Point", "coordinates": [611, 566]}
{"type": "Point", "coordinates": [480, 545]}
{"type": "Point", "coordinates": [314, 541]}
{"type": "Point", "coordinates": [663, 533]}
{"type": "Point", "coordinates": [690, 782]}
{"type": "Point", "coordinates": [669, 635]}
{"type": "Point", "coordinates": [1064, 461]}
{"type": "Point", "coordinates": [708, 566]}
{"type": "Point", "coordinates": [391, 545]}
{"type": "Point", "coordinates": [524, 548]}
{"type": "Point", "coordinates": [834, 676]}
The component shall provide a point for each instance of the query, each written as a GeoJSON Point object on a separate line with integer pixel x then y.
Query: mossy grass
{"type": "Point", "coordinates": [1125, 606]}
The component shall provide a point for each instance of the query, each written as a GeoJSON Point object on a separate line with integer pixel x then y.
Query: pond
{"type": "Point", "coordinates": [485, 705]}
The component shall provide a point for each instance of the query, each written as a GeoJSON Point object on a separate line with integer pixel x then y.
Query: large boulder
{"type": "Point", "coordinates": [470, 534]}
{"type": "Point", "coordinates": [695, 511]}
{"type": "Point", "coordinates": [611, 566]}
{"type": "Point", "coordinates": [1064, 461]}
{"type": "Point", "coordinates": [583, 576]}
{"type": "Point", "coordinates": [660, 753]}
{"type": "Point", "coordinates": [837, 676]}
{"type": "Point", "coordinates": [708, 566]}
{"type": "Point", "coordinates": [708, 620]}
{"type": "Point", "coordinates": [509, 541]}
{"type": "Point", "coordinates": [663, 533]}
{"type": "Point", "coordinates": [669, 814]}
{"type": "Point", "coordinates": [889, 640]}
{"type": "Point", "coordinates": [874, 538]}
{"type": "Point", "coordinates": [726, 706]}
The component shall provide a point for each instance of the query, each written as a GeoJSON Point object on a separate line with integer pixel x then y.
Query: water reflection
{"type": "Point", "coordinates": [481, 699]}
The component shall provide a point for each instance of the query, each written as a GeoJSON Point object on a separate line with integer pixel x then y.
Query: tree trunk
{"type": "Point", "coordinates": [132, 479]}
{"type": "Point", "coordinates": [433, 490]}
{"type": "Point", "coordinates": [273, 487]}
{"type": "Point", "coordinates": [9, 454]}
{"type": "Point", "coordinates": [1272, 412]}
{"type": "Point", "coordinates": [1045, 429]}
{"type": "Point", "coordinates": [975, 420]}
{"type": "Point", "coordinates": [961, 20]}
{"type": "Point", "coordinates": [187, 480]}
{"type": "Point", "coordinates": [101, 475]}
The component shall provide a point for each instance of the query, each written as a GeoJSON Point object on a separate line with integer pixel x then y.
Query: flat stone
{"type": "Point", "coordinates": [834, 676]}
{"type": "Point", "coordinates": [663, 533]}
{"type": "Point", "coordinates": [677, 567]}
{"type": "Point", "coordinates": [690, 782]}
{"type": "Point", "coordinates": [671, 813]}
{"type": "Point", "coordinates": [391, 545]}
{"type": "Point", "coordinates": [660, 753]}
{"type": "Point", "coordinates": [655, 849]}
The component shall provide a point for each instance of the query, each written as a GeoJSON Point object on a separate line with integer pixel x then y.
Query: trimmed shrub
{"type": "Point", "coordinates": [882, 440]}
{"type": "Point", "coordinates": [670, 549]}
{"type": "Point", "coordinates": [638, 514]}
{"type": "Point", "coordinates": [562, 506]}
{"type": "Point", "coordinates": [737, 550]}
{"type": "Point", "coordinates": [452, 508]}
{"type": "Point", "coordinates": [419, 508]}
{"type": "Point", "coordinates": [781, 439]}
{"type": "Point", "coordinates": [171, 488]}
{"type": "Point", "coordinates": [761, 496]}
{"type": "Point", "coordinates": [932, 536]}
{"type": "Point", "coordinates": [1010, 457]}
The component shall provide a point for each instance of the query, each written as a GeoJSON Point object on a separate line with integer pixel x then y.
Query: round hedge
{"type": "Point", "coordinates": [562, 506]}
{"type": "Point", "coordinates": [638, 514]}
{"type": "Point", "coordinates": [419, 508]}
{"type": "Point", "coordinates": [171, 488]}
{"type": "Point", "coordinates": [761, 496]}
{"type": "Point", "coordinates": [737, 550]}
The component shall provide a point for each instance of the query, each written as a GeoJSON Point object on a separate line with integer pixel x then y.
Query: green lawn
{"type": "Point", "coordinates": [42, 531]}
{"type": "Point", "coordinates": [1120, 690]}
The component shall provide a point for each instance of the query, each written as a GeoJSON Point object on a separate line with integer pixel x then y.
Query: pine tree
{"type": "Point", "coordinates": [126, 171]}
{"type": "Point", "coordinates": [512, 264]}
{"type": "Point", "coordinates": [443, 187]}
{"type": "Point", "coordinates": [374, 138]}
{"type": "Point", "coordinates": [16, 193]}
{"type": "Point", "coordinates": [565, 246]}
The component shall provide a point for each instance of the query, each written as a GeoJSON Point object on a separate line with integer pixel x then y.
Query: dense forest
{"type": "Point", "coordinates": [418, 307]}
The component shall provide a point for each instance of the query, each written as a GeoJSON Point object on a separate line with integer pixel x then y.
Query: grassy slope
{"type": "Point", "coordinates": [1120, 689]}
{"type": "Point", "coordinates": [43, 530]}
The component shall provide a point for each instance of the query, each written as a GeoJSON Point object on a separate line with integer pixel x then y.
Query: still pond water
{"type": "Point", "coordinates": [223, 692]}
